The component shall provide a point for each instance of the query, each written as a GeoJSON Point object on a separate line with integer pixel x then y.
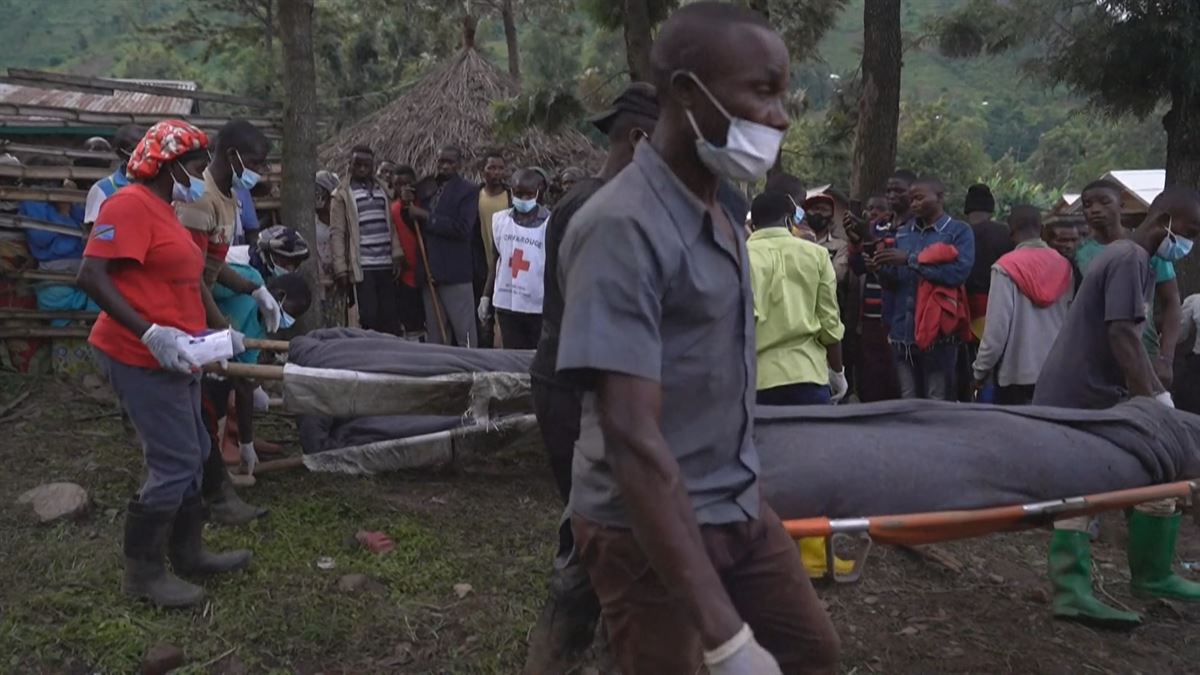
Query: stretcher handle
{"type": "Point", "coordinates": [266, 345]}
{"type": "Point", "coordinates": [930, 527]}
{"type": "Point", "coordinates": [252, 371]}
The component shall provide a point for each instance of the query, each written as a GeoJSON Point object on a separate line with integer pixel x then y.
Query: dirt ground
{"type": "Point", "coordinates": [488, 525]}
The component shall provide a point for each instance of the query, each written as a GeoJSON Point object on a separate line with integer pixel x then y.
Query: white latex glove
{"type": "Point", "coordinates": [261, 400]}
{"type": "Point", "coordinates": [741, 655]}
{"type": "Point", "coordinates": [268, 307]}
{"type": "Point", "coordinates": [1165, 399]}
{"type": "Point", "coordinates": [838, 386]}
{"type": "Point", "coordinates": [163, 342]}
{"type": "Point", "coordinates": [238, 340]}
{"type": "Point", "coordinates": [249, 456]}
{"type": "Point", "coordinates": [485, 309]}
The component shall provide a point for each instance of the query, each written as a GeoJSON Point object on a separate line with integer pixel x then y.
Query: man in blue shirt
{"type": "Point", "coordinates": [923, 373]}
{"type": "Point", "coordinates": [125, 140]}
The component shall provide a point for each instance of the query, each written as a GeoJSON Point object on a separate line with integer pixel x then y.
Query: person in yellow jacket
{"type": "Point", "coordinates": [797, 324]}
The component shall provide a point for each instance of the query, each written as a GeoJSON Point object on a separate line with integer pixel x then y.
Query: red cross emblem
{"type": "Point", "coordinates": [517, 263]}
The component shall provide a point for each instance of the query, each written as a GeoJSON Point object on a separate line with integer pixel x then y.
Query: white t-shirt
{"type": "Point", "coordinates": [95, 198]}
{"type": "Point", "coordinates": [520, 262]}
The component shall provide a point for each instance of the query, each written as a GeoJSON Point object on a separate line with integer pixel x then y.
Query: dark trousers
{"type": "Point", "coordinates": [1186, 388]}
{"type": "Point", "coordinates": [1015, 394]}
{"type": "Point", "coordinates": [519, 330]}
{"type": "Point", "coordinates": [929, 373]}
{"type": "Point", "coordinates": [558, 411]}
{"type": "Point", "coordinates": [410, 308]}
{"type": "Point", "coordinates": [378, 306]}
{"type": "Point", "coordinates": [652, 632]}
{"type": "Point", "coordinates": [877, 369]}
{"type": "Point", "coordinates": [803, 393]}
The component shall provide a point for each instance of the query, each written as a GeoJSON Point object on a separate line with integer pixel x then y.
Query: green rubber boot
{"type": "Point", "coordinates": [1071, 574]}
{"type": "Point", "coordinates": [1151, 552]}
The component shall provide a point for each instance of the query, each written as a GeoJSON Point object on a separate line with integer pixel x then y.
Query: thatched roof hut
{"type": "Point", "coordinates": [451, 105]}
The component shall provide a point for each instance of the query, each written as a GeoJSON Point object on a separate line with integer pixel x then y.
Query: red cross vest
{"type": "Point", "coordinates": [520, 262]}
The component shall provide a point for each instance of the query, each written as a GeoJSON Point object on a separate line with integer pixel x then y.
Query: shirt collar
{"type": "Point", "coordinates": [938, 225]}
{"type": "Point", "coordinates": [677, 198]}
{"type": "Point", "coordinates": [770, 233]}
{"type": "Point", "coordinates": [119, 178]}
{"type": "Point", "coordinates": [1033, 243]}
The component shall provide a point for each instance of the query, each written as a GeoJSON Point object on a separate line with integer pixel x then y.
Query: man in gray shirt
{"type": "Point", "coordinates": [1097, 361]}
{"type": "Point", "coordinates": [689, 564]}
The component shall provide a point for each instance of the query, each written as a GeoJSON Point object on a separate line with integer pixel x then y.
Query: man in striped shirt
{"type": "Point", "coordinates": [366, 248]}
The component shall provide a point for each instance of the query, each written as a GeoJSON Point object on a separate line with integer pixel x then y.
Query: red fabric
{"type": "Point", "coordinates": [408, 242]}
{"type": "Point", "coordinates": [1041, 274]}
{"type": "Point", "coordinates": [165, 141]}
{"type": "Point", "coordinates": [941, 310]}
{"type": "Point", "coordinates": [977, 304]}
{"type": "Point", "coordinates": [161, 279]}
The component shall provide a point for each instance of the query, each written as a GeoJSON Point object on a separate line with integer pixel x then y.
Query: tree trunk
{"type": "Point", "coordinates": [879, 102]}
{"type": "Point", "coordinates": [761, 6]}
{"type": "Point", "coordinates": [269, 25]}
{"type": "Point", "coordinates": [1183, 161]}
{"type": "Point", "coordinates": [510, 39]}
{"type": "Point", "coordinates": [300, 139]}
{"type": "Point", "coordinates": [638, 39]}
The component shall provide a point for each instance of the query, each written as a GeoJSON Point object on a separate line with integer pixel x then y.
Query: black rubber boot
{"type": "Point", "coordinates": [146, 574]}
{"type": "Point", "coordinates": [224, 505]}
{"type": "Point", "coordinates": [188, 556]}
{"type": "Point", "coordinates": [566, 625]}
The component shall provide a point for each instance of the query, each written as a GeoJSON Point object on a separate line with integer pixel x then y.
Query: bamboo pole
{"type": "Point", "coordinates": [57, 195]}
{"type": "Point", "coordinates": [54, 172]}
{"type": "Point", "coordinates": [44, 332]}
{"type": "Point", "coordinates": [35, 275]}
{"type": "Point", "coordinates": [23, 223]}
{"type": "Point", "coordinates": [39, 315]}
{"type": "Point", "coordinates": [251, 371]}
{"type": "Point", "coordinates": [265, 345]}
{"type": "Point", "coordinates": [52, 151]}
{"type": "Point", "coordinates": [48, 80]}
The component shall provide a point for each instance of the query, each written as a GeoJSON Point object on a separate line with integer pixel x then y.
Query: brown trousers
{"type": "Point", "coordinates": [651, 632]}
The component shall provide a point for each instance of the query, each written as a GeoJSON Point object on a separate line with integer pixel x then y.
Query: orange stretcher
{"type": "Point", "coordinates": [913, 529]}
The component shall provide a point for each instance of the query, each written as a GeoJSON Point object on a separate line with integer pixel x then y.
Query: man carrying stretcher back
{"type": "Point", "coordinates": [689, 563]}
{"type": "Point", "coordinates": [1097, 361]}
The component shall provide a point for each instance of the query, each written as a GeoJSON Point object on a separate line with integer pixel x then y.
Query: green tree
{"type": "Point", "coordinates": [935, 142]}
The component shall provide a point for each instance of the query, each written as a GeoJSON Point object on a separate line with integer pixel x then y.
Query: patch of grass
{"type": "Point", "coordinates": [490, 526]}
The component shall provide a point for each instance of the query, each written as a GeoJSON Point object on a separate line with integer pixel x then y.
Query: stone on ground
{"type": "Point", "coordinates": [55, 501]}
{"type": "Point", "coordinates": [162, 659]}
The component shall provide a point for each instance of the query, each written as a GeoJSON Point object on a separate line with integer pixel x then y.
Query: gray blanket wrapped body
{"type": "Point", "coordinates": [913, 456]}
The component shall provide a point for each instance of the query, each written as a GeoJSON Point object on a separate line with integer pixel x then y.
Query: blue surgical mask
{"type": "Point", "coordinates": [247, 178]}
{"type": "Point", "coordinates": [799, 215]}
{"type": "Point", "coordinates": [189, 193]}
{"type": "Point", "coordinates": [286, 320]}
{"type": "Point", "coordinates": [524, 205]}
{"type": "Point", "coordinates": [1173, 248]}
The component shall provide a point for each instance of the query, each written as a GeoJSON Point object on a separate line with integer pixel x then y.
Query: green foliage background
{"type": "Point", "coordinates": [962, 119]}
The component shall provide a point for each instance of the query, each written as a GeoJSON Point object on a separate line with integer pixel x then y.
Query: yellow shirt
{"type": "Point", "coordinates": [795, 308]}
{"type": "Point", "coordinates": [489, 206]}
{"type": "Point", "coordinates": [213, 214]}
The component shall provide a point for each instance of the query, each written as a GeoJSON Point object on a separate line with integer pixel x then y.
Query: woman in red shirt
{"type": "Point", "coordinates": [142, 267]}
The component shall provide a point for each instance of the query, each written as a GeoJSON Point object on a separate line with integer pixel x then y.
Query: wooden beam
{"type": "Point", "coordinates": [105, 85]}
{"type": "Point", "coordinates": [53, 151]}
{"type": "Point", "coordinates": [23, 223]}
{"type": "Point", "coordinates": [55, 172]}
{"type": "Point", "coordinates": [44, 332]}
{"type": "Point", "coordinates": [90, 118]}
{"type": "Point", "coordinates": [40, 315]}
{"type": "Point", "coordinates": [251, 371]}
{"type": "Point", "coordinates": [57, 195]}
{"type": "Point", "coordinates": [265, 345]}
{"type": "Point", "coordinates": [34, 275]}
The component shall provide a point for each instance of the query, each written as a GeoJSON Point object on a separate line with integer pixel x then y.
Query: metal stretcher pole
{"type": "Point", "coordinates": [927, 528]}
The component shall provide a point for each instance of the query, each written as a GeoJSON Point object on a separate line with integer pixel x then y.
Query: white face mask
{"type": "Point", "coordinates": [750, 148]}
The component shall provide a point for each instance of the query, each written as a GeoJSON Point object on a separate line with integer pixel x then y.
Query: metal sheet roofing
{"type": "Point", "coordinates": [119, 102]}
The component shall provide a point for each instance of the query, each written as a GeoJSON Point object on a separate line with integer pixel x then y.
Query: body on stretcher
{"type": "Point", "coordinates": [927, 528]}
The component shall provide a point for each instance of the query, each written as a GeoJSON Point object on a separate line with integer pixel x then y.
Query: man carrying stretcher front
{"type": "Point", "coordinates": [1097, 361]}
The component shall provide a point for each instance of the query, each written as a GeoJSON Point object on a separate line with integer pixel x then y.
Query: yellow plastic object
{"type": "Point", "coordinates": [812, 555]}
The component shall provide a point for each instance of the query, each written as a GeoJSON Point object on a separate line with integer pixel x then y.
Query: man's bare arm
{"type": "Point", "coordinates": [1125, 340]}
{"type": "Point", "coordinates": [1168, 314]}
{"type": "Point", "coordinates": [657, 503]}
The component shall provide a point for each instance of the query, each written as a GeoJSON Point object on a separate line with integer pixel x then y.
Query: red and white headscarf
{"type": "Point", "coordinates": [166, 141]}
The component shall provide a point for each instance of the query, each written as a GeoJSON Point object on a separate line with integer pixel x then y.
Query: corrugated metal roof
{"type": "Point", "coordinates": [119, 102]}
{"type": "Point", "coordinates": [1145, 184]}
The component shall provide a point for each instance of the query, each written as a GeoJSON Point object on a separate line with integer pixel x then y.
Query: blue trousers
{"type": "Point", "coordinates": [165, 409]}
{"type": "Point", "coordinates": [926, 374]}
{"type": "Point", "coordinates": [802, 393]}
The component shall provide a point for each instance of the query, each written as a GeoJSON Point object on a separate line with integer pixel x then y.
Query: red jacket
{"type": "Point", "coordinates": [942, 311]}
{"type": "Point", "coordinates": [408, 242]}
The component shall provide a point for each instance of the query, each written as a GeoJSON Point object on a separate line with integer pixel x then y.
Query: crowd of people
{"type": "Point", "coordinates": [663, 307]}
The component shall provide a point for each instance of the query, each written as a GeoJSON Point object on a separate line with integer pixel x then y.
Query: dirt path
{"type": "Point", "coordinates": [490, 526]}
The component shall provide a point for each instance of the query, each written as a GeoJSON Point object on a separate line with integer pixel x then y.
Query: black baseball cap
{"type": "Point", "coordinates": [638, 98]}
